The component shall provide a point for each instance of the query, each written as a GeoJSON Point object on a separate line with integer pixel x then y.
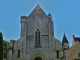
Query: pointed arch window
{"type": "Point", "coordinates": [37, 38]}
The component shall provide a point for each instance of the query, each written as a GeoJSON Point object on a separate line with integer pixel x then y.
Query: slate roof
{"type": "Point", "coordinates": [49, 14]}
{"type": "Point", "coordinates": [77, 39]}
{"type": "Point", "coordinates": [64, 39]}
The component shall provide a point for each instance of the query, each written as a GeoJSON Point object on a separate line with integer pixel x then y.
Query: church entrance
{"type": "Point", "coordinates": [38, 58]}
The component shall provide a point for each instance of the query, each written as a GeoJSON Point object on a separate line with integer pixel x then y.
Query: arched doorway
{"type": "Point", "coordinates": [37, 58]}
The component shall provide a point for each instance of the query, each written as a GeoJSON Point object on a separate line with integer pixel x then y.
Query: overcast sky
{"type": "Point", "coordinates": [66, 16]}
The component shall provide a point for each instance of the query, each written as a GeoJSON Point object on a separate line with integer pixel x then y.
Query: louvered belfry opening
{"type": "Point", "coordinates": [37, 38]}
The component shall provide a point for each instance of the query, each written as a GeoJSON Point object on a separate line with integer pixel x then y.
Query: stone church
{"type": "Point", "coordinates": [37, 41]}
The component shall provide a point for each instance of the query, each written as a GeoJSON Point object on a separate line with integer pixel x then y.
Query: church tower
{"type": "Point", "coordinates": [37, 41]}
{"type": "Point", "coordinates": [40, 32]}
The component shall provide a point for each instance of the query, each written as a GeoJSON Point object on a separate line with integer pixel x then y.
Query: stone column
{"type": "Point", "coordinates": [50, 41]}
{"type": "Point", "coordinates": [25, 39]}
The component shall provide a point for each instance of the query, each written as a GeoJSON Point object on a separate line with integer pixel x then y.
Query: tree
{"type": "Point", "coordinates": [5, 48]}
{"type": "Point", "coordinates": [1, 46]}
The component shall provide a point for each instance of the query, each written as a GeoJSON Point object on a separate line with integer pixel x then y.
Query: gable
{"type": "Point", "coordinates": [72, 53]}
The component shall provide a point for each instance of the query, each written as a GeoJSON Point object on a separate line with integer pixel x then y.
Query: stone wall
{"type": "Point", "coordinates": [72, 53]}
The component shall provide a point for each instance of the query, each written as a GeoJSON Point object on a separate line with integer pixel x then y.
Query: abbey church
{"type": "Point", "coordinates": [37, 41]}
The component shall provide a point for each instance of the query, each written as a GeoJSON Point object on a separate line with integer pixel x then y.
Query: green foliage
{"type": "Point", "coordinates": [5, 47]}
{"type": "Point", "coordinates": [1, 47]}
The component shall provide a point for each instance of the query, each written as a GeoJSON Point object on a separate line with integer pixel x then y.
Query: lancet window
{"type": "Point", "coordinates": [37, 38]}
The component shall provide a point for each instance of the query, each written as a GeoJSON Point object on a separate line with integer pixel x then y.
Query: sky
{"type": "Point", "coordinates": [65, 14]}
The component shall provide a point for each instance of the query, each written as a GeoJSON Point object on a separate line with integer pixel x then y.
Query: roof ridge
{"type": "Point", "coordinates": [69, 50]}
{"type": "Point", "coordinates": [37, 10]}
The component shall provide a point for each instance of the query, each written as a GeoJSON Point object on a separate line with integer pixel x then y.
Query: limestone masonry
{"type": "Point", "coordinates": [37, 41]}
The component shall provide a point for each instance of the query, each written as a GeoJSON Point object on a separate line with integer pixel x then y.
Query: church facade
{"type": "Point", "coordinates": [37, 41]}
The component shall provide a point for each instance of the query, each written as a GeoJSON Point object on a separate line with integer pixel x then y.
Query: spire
{"type": "Point", "coordinates": [49, 14]}
{"type": "Point", "coordinates": [64, 39]}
